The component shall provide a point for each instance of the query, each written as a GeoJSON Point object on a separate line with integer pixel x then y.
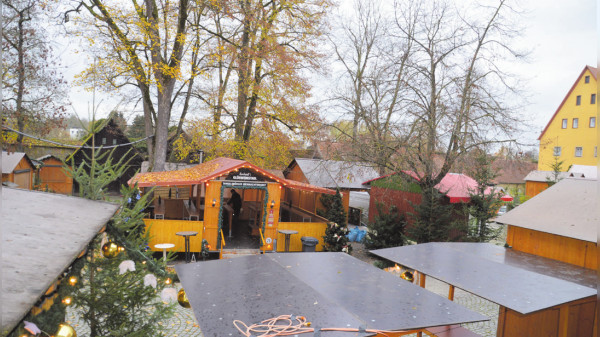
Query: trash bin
{"type": "Point", "coordinates": [309, 243]}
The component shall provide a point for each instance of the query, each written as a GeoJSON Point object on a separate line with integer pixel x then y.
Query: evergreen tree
{"type": "Point", "coordinates": [557, 167]}
{"type": "Point", "coordinates": [484, 202]}
{"type": "Point", "coordinates": [335, 239]}
{"type": "Point", "coordinates": [334, 208]}
{"type": "Point", "coordinates": [432, 218]}
{"type": "Point", "coordinates": [116, 294]}
{"type": "Point", "coordinates": [387, 230]}
{"type": "Point", "coordinates": [117, 303]}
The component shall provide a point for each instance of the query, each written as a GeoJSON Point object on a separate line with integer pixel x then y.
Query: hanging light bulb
{"type": "Point", "coordinates": [67, 300]}
{"type": "Point", "coordinates": [168, 281]}
{"type": "Point", "coordinates": [73, 280]}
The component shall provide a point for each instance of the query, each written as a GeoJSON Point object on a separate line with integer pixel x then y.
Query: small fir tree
{"type": "Point", "coordinates": [335, 239]}
{"type": "Point", "coordinates": [557, 167]}
{"type": "Point", "coordinates": [484, 202]}
{"type": "Point", "coordinates": [387, 230]}
{"type": "Point", "coordinates": [432, 218]}
{"type": "Point", "coordinates": [334, 208]}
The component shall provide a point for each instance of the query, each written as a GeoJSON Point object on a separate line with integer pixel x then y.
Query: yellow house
{"type": "Point", "coordinates": [571, 135]}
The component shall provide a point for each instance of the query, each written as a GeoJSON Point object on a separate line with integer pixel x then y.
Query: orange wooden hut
{"type": "Point", "coordinates": [53, 177]}
{"type": "Point", "coordinates": [196, 199]}
{"type": "Point", "coordinates": [559, 223]}
{"type": "Point", "coordinates": [18, 169]}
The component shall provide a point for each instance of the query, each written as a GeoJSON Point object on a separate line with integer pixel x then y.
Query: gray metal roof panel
{"type": "Point", "coordinates": [42, 235]}
{"type": "Point", "coordinates": [568, 208]}
{"type": "Point", "coordinates": [513, 287]}
{"type": "Point", "coordinates": [332, 174]}
{"type": "Point", "coordinates": [330, 289]}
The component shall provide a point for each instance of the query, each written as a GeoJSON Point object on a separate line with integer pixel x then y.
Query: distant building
{"type": "Point", "coordinates": [343, 175]}
{"type": "Point", "coordinates": [537, 181]}
{"type": "Point", "coordinates": [110, 137]}
{"type": "Point", "coordinates": [571, 134]}
{"type": "Point", "coordinates": [77, 133]}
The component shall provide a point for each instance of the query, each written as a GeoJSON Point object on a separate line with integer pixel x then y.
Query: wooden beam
{"type": "Point", "coordinates": [451, 293]}
{"type": "Point", "coordinates": [421, 280]}
{"type": "Point", "coordinates": [563, 321]}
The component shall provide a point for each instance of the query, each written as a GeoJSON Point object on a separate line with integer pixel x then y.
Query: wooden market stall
{"type": "Point", "coordinates": [18, 169]}
{"type": "Point", "coordinates": [53, 177]}
{"type": "Point", "coordinates": [538, 297]}
{"type": "Point", "coordinates": [196, 199]}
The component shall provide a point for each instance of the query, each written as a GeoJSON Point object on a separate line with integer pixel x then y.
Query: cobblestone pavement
{"type": "Point", "coordinates": [182, 324]}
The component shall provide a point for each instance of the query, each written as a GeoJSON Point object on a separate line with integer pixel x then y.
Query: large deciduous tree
{"type": "Point", "coordinates": [445, 92]}
{"type": "Point", "coordinates": [262, 52]}
{"type": "Point", "coordinates": [34, 91]}
{"type": "Point", "coordinates": [140, 44]}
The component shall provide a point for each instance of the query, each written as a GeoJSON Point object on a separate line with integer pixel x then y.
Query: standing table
{"type": "Point", "coordinates": [287, 233]}
{"type": "Point", "coordinates": [186, 235]}
{"type": "Point", "coordinates": [164, 247]}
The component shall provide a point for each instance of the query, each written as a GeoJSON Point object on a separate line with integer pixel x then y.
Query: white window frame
{"type": "Point", "coordinates": [579, 150]}
{"type": "Point", "coordinates": [575, 123]}
{"type": "Point", "coordinates": [592, 122]}
{"type": "Point", "coordinates": [565, 123]}
{"type": "Point", "coordinates": [557, 151]}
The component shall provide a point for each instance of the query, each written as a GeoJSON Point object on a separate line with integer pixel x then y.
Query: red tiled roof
{"type": "Point", "coordinates": [594, 73]}
{"type": "Point", "coordinates": [211, 170]}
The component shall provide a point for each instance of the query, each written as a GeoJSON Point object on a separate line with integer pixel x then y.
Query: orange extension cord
{"type": "Point", "coordinates": [287, 325]}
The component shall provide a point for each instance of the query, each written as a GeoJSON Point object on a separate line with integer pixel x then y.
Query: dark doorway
{"type": "Point", "coordinates": [244, 227]}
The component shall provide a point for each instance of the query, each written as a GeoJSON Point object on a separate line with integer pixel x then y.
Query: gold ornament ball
{"type": "Point", "coordinates": [182, 299]}
{"type": "Point", "coordinates": [110, 250]}
{"type": "Point", "coordinates": [407, 276]}
{"type": "Point", "coordinates": [65, 330]}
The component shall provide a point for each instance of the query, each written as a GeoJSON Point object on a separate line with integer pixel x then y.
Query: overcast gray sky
{"type": "Point", "coordinates": [562, 38]}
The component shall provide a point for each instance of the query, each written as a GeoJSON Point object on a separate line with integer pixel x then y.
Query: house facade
{"type": "Point", "coordinates": [571, 134]}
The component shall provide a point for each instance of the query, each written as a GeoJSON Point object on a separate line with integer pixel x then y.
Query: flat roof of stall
{"type": "Point", "coordinates": [518, 281]}
{"type": "Point", "coordinates": [332, 290]}
{"type": "Point", "coordinates": [43, 233]}
{"type": "Point", "coordinates": [213, 169]}
{"type": "Point", "coordinates": [567, 208]}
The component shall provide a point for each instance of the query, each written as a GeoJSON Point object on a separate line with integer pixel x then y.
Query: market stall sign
{"type": "Point", "coordinates": [244, 174]}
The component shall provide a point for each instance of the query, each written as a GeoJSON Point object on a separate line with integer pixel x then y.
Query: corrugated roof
{"type": "Point", "coordinates": [42, 235]}
{"type": "Point", "coordinates": [210, 170]}
{"type": "Point", "coordinates": [568, 208]}
{"type": "Point", "coordinates": [11, 160]}
{"type": "Point", "coordinates": [336, 174]}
